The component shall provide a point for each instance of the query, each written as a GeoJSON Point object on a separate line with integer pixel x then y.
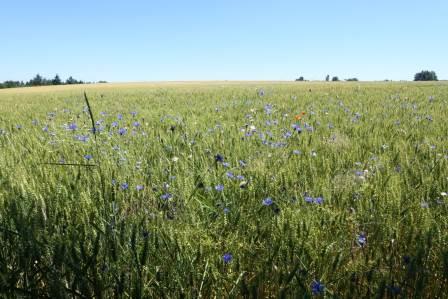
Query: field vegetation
{"type": "Point", "coordinates": [224, 189]}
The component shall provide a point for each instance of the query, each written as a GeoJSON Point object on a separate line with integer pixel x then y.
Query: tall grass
{"type": "Point", "coordinates": [358, 206]}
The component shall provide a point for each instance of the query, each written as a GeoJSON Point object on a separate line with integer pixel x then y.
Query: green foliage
{"type": "Point", "coordinates": [425, 76]}
{"type": "Point", "coordinates": [335, 78]}
{"type": "Point", "coordinates": [327, 78]}
{"type": "Point", "coordinates": [71, 80]}
{"type": "Point", "coordinates": [352, 79]}
{"type": "Point", "coordinates": [376, 157]}
{"type": "Point", "coordinates": [38, 80]}
{"type": "Point", "coordinates": [300, 79]}
{"type": "Point", "coordinates": [56, 80]}
{"type": "Point", "coordinates": [11, 84]}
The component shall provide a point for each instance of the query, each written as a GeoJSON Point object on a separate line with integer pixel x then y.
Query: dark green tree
{"type": "Point", "coordinates": [335, 78]}
{"type": "Point", "coordinates": [300, 79]}
{"type": "Point", "coordinates": [425, 76]}
{"type": "Point", "coordinates": [327, 78]}
{"type": "Point", "coordinates": [71, 80]}
{"type": "Point", "coordinates": [38, 80]}
{"type": "Point", "coordinates": [56, 80]}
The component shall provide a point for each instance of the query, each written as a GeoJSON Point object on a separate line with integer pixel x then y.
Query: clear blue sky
{"type": "Point", "coordinates": [223, 40]}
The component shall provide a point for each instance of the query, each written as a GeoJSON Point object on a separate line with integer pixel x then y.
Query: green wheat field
{"type": "Point", "coordinates": [224, 190]}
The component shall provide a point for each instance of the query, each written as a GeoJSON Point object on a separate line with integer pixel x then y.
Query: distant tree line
{"type": "Point", "coordinates": [327, 78]}
{"type": "Point", "coordinates": [421, 76]}
{"type": "Point", "coordinates": [38, 80]}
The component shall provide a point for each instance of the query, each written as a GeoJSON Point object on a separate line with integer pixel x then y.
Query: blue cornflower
{"type": "Point", "coordinates": [139, 187]}
{"type": "Point", "coordinates": [114, 124]}
{"type": "Point", "coordinates": [309, 199]}
{"type": "Point", "coordinates": [227, 257]}
{"type": "Point", "coordinates": [297, 128]}
{"type": "Point", "coordinates": [124, 186]}
{"type": "Point", "coordinates": [268, 109]}
{"type": "Point", "coordinates": [120, 116]}
{"type": "Point", "coordinates": [72, 127]}
{"type": "Point", "coordinates": [308, 127]}
{"type": "Point", "coordinates": [219, 187]}
{"type": "Point", "coordinates": [133, 113]}
{"type": "Point", "coordinates": [362, 239]}
{"type": "Point", "coordinates": [406, 259]}
{"type": "Point", "coordinates": [230, 175]}
{"type": "Point", "coordinates": [88, 157]}
{"type": "Point", "coordinates": [136, 124]}
{"type": "Point", "coordinates": [226, 210]}
{"type": "Point", "coordinates": [83, 138]}
{"type": "Point", "coordinates": [226, 164]}
{"type": "Point", "coordinates": [267, 201]}
{"type": "Point", "coordinates": [45, 129]}
{"type": "Point", "coordinates": [359, 173]}
{"type": "Point", "coordinates": [287, 135]}
{"type": "Point", "coordinates": [317, 288]}
{"type": "Point", "coordinates": [219, 158]}
{"type": "Point", "coordinates": [166, 196]}
{"type": "Point", "coordinates": [122, 131]}
{"type": "Point", "coordinates": [279, 144]}
{"type": "Point", "coordinates": [319, 200]}
{"type": "Point", "coordinates": [240, 177]}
